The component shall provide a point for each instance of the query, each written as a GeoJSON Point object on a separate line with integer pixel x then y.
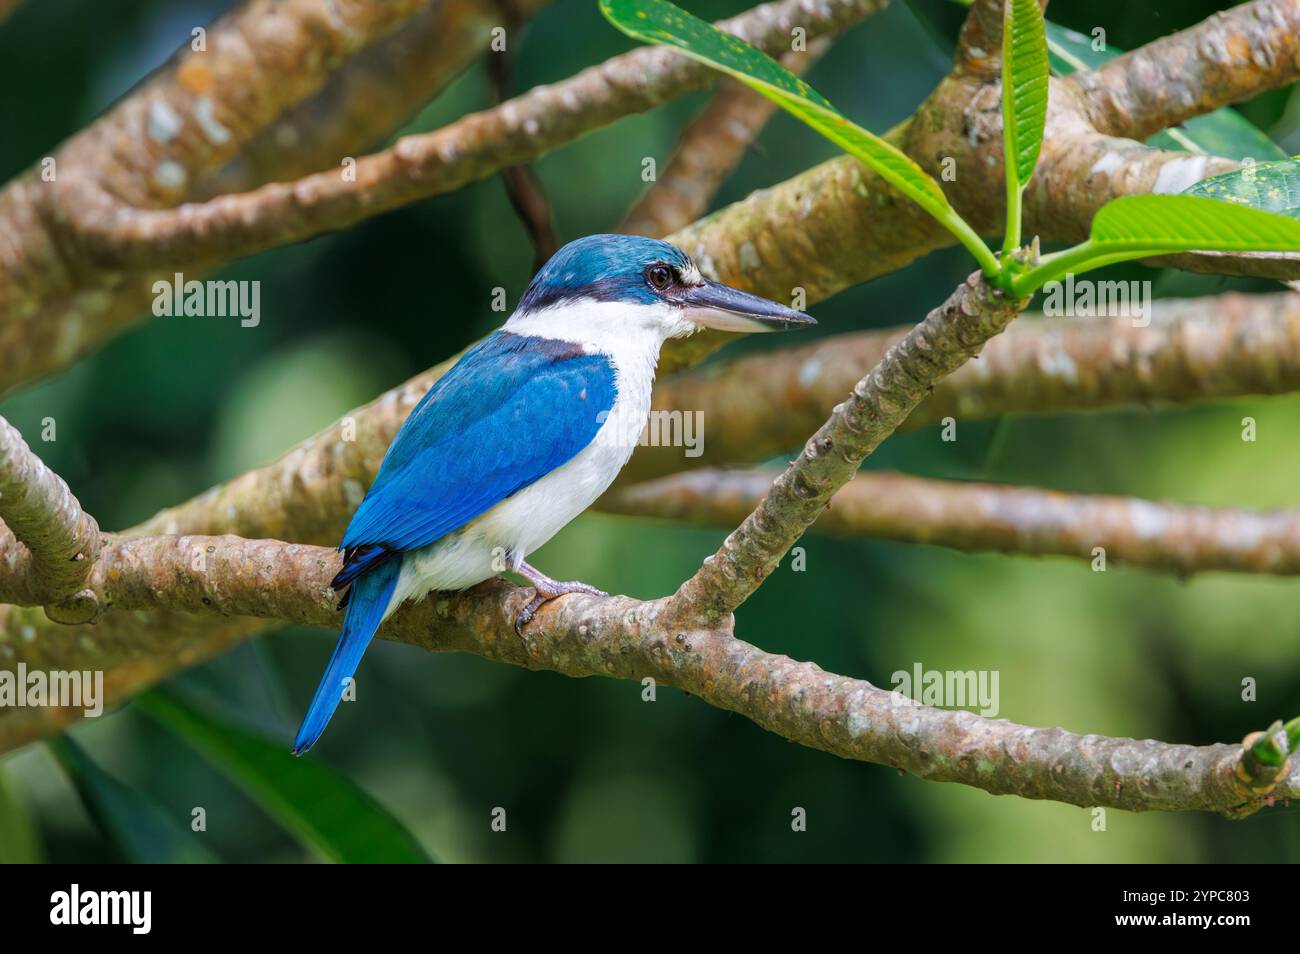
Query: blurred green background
{"type": "Point", "coordinates": [584, 768]}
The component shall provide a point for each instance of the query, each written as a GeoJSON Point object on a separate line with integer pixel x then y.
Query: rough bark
{"type": "Point", "coordinates": [949, 336]}
{"type": "Point", "coordinates": [1199, 349]}
{"type": "Point", "coordinates": [235, 581]}
{"type": "Point", "coordinates": [1025, 521]}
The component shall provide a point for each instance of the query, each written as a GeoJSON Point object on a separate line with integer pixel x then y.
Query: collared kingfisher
{"type": "Point", "coordinates": [523, 434]}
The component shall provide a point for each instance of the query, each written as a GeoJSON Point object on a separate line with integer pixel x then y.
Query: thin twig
{"type": "Point", "coordinates": [523, 185]}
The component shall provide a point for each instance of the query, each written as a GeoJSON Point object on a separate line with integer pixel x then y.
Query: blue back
{"type": "Point", "coordinates": [509, 412]}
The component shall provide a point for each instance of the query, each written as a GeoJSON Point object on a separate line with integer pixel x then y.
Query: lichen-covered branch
{"type": "Point", "coordinates": [828, 228]}
{"type": "Point", "coordinates": [423, 165]}
{"type": "Point", "coordinates": [1027, 521]}
{"type": "Point", "coordinates": [709, 148]}
{"type": "Point", "coordinates": [946, 339]}
{"type": "Point", "coordinates": [367, 97]}
{"type": "Point", "coordinates": [219, 117]}
{"type": "Point", "coordinates": [236, 582]}
{"type": "Point", "coordinates": [47, 543]}
{"type": "Point", "coordinates": [1195, 349]}
{"type": "Point", "coordinates": [164, 602]}
{"type": "Point", "coordinates": [838, 224]}
{"type": "Point", "coordinates": [1231, 57]}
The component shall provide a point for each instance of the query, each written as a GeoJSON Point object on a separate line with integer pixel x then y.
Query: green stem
{"type": "Point", "coordinates": [1084, 257]}
{"type": "Point", "coordinates": [1011, 241]}
{"type": "Point", "coordinates": [968, 237]}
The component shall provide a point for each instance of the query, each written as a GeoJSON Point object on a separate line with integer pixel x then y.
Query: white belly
{"type": "Point", "coordinates": [522, 523]}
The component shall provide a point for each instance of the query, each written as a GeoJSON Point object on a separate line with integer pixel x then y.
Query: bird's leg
{"type": "Point", "coordinates": [547, 589]}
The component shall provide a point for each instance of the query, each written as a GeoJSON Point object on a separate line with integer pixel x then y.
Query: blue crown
{"type": "Point", "coordinates": [601, 268]}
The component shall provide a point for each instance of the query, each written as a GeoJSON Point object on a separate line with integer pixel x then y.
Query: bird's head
{"type": "Point", "coordinates": [626, 282]}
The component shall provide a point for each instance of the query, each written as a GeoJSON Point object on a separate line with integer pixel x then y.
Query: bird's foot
{"type": "Point", "coordinates": [546, 589]}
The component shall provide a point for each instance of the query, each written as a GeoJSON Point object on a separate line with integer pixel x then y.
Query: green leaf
{"type": "Point", "coordinates": [1069, 52]}
{"type": "Point", "coordinates": [136, 824]}
{"type": "Point", "coordinates": [321, 807]}
{"type": "Point", "coordinates": [658, 21]}
{"type": "Point", "coordinates": [1187, 223]}
{"type": "Point", "coordinates": [1024, 87]}
{"type": "Point", "coordinates": [1270, 186]}
{"type": "Point", "coordinates": [1224, 132]}
{"type": "Point", "coordinates": [19, 842]}
{"type": "Point", "coordinates": [1143, 225]}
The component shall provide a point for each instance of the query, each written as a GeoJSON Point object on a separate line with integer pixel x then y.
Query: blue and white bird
{"type": "Point", "coordinates": [522, 435]}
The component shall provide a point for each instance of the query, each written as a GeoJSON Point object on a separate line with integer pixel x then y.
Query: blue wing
{"type": "Point", "coordinates": [511, 410]}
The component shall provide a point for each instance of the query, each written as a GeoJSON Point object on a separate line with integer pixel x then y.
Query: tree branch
{"type": "Point", "coordinates": [164, 603]}
{"type": "Point", "coordinates": [164, 141]}
{"type": "Point", "coordinates": [948, 337]}
{"type": "Point", "coordinates": [366, 98]}
{"type": "Point", "coordinates": [1026, 521]}
{"type": "Point", "coordinates": [226, 578]}
{"type": "Point", "coordinates": [523, 185]}
{"type": "Point", "coordinates": [1231, 57]}
{"type": "Point", "coordinates": [754, 407]}
{"type": "Point", "coordinates": [424, 165]}
{"type": "Point", "coordinates": [48, 542]}
{"type": "Point", "coordinates": [831, 227]}
{"type": "Point", "coordinates": [709, 148]}
{"type": "Point", "coordinates": [1195, 349]}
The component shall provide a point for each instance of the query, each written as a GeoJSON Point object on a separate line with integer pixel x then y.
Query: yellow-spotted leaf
{"type": "Point", "coordinates": [658, 21]}
{"type": "Point", "coordinates": [1270, 186]}
{"type": "Point", "coordinates": [1143, 225]}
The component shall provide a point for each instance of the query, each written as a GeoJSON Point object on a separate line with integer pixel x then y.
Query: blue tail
{"type": "Point", "coordinates": [366, 604]}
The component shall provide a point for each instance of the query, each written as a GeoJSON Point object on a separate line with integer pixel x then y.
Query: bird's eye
{"type": "Point", "coordinates": [659, 277]}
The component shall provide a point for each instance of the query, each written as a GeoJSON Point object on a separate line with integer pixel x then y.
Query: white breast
{"type": "Point", "coordinates": [522, 523]}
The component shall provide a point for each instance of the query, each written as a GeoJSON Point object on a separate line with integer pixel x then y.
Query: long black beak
{"type": "Point", "coordinates": [712, 305]}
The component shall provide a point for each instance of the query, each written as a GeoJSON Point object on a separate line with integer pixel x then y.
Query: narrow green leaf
{"type": "Point", "coordinates": [1224, 132]}
{"type": "Point", "coordinates": [134, 822]}
{"type": "Point", "coordinates": [1143, 225]}
{"type": "Point", "coordinates": [658, 21]}
{"type": "Point", "coordinates": [1024, 87]}
{"type": "Point", "coordinates": [321, 807]}
{"type": "Point", "coordinates": [19, 841]}
{"type": "Point", "coordinates": [1270, 186]}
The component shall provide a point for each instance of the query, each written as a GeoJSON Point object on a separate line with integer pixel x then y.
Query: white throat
{"type": "Point", "coordinates": [617, 329]}
{"type": "Point", "coordinates": [630, 335]}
